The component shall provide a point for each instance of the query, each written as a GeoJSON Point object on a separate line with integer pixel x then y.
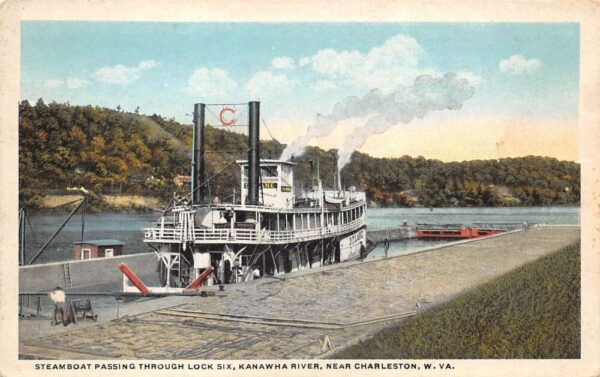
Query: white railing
{"type": "Point", "coordinates": [209, 235]}
{"type": "Point", "coordinates": [358, 200]}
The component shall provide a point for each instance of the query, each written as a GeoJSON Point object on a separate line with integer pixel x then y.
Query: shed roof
{"type": "Point", "coordinates": [107, 242]}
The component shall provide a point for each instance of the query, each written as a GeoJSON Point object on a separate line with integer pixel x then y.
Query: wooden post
{"type": "Point", "coordinates": [275, 269]}
{"type": "Point", "coordinates": [322, 251]}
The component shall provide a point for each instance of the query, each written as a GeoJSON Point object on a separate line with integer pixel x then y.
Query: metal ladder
{"type": "Point", "coordinates": [67, 275]}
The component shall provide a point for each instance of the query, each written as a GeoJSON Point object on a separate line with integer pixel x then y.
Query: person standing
{"type": "Point", "coordinates": [61, 305]}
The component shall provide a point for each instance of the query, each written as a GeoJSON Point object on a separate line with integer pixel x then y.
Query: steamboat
{"type": "Point", "coordinates": [271, 231]}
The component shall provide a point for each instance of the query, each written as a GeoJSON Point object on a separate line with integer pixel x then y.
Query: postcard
{"type": "Point", "coordinates": [299, 188]}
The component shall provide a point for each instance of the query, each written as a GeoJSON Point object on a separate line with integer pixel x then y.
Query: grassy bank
{"type": "Point", "coordinates": [531, 312]}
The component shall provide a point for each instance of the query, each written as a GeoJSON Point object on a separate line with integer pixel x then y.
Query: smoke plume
{"type": "Point", "coordinates": [323, 126]}
{"type": "Point", "coordinates": [386, 110]}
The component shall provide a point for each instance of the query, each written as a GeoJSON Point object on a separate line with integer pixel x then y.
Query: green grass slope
{"type": "Point", "coordinates": [532, 312]}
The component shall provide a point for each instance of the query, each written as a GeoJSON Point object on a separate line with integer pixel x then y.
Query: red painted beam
{"type": "Point", "coordinates": [197, 283]}
{"type": "Point", "coordinates": [133, 278]}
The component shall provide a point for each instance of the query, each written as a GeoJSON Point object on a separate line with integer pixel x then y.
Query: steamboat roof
{"type": "Point", "coordinates": [268, 161]}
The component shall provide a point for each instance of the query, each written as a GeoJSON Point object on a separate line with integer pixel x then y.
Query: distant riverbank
{"type": "Point", "coordinates": [102, 203]}
{"type": "Point", "coordinates": [59, 203]}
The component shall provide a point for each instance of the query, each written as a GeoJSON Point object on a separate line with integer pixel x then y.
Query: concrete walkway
{"type": "Point", "coordinates": [291, 318]}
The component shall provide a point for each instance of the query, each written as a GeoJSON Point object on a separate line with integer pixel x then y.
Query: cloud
{"type": "Point", "coordinates": [304, 61]}
{"type": "Point", "coordinates": [213, 84]}
{"type": "Point", "coordinates": [76, 83]}
{"type": "Point", "coordinates": [518, 64]}
{"type": "Point", "coordinates": [395, 62]}
{"type": "Point", "coordinates": [147, 64]}
{"type": "Point", "coordinates": [283, 62]}
{"type": "Point", "coordinates": [324, 85]}
{"type": "Point", "coordinates": [473, 79]}
{"type": "Point", "coordinates": [332, 63]}
{"type": "Point", "coordinates": [53, 83]}
{"type": "Point", "coordinates": [121, 74]}
{"type": "Point", "coordinates": [266, 84]}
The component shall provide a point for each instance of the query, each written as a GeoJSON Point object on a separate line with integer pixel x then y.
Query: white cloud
{"type": "Point", "coordinates": [283, 62]}
{"type": "Point", "coordinates": [266, 84]}
{"type": "Point", "coordinates": [324, 85]}
{"type": "Point", "coordinates": [53, 83]}
{"type": "Point", "coordinates": [304, 61]}
{"type": "Point", "coordinates": [386, 66]}
{"type": "Point", "coordinates": [213, 84]}
{"type": "Point", "coordinates": [121, 74]}
{"type": "Point", "coordinates": [518, 64]}
{"type": "Point", "coordinates": [76, 83]}
{"type": "Point", "coordinates": [472, 78]}
{"type": "Point", "coordinates": [147, 64]}
{"type": "Point", "coordinates": [333, 63]}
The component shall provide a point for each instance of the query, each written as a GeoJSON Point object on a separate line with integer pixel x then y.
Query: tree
{"type": "Point", "coordinates": [98, 147]}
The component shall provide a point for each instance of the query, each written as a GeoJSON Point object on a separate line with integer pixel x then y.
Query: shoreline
{"type": "Point", "coordinates": [131, 203]}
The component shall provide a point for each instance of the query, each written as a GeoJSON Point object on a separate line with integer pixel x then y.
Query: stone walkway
{"type": "Point", "coordinates": [274, 318]}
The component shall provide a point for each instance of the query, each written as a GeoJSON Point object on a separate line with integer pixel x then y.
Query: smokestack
{"type": "Point", "coordinates": [198, 165]}
{"type": "Point", "coordinates": [337, 178]}
{"type": "Point", "coordinates": [254, 153]}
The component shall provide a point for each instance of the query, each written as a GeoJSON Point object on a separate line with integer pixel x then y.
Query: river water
{"type": "Point", "coordinates": [385, 218]}
{"type": "Point", "coordinates": [127, 227]}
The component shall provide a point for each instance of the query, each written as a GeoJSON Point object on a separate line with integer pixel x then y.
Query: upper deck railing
{"type": "Point", "coordinates": [295, 210]}
{"type": "Point", "coordinates": [177, 234]}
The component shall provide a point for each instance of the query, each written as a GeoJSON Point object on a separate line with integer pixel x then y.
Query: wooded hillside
{"type": "Point", "coordinates": [111, 151]}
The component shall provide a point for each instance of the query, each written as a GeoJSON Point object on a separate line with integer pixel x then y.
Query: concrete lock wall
{"type": "Point", "coordinates": [99, 271]}
{"type": "Point", "coordinates": [43, 277]}
{"type": "Point", "coordinates": [391, 234]}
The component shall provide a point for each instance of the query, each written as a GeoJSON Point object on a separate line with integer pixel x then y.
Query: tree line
{"type": "Point", "coordinates": [115, 152]}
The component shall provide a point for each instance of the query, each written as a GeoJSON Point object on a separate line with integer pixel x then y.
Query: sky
{"type": "Point", "coordinates": [525, 78]}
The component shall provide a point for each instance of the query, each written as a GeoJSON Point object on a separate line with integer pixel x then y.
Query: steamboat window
{"type": "Point", "coordinates": [265, 171]}
{"type": "Point", "coordinates": [268, 171]}
{"type": "Point", "coordinates": [85, 253]}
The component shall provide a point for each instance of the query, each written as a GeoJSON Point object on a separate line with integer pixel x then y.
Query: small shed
{"type": "Point", "coordinates": [89, 249]}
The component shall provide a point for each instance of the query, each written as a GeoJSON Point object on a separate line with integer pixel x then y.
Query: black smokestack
{"type": "Point", "coordinates": [254, 153]}
{"type": "Point", "coordinates": [198, 166]}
